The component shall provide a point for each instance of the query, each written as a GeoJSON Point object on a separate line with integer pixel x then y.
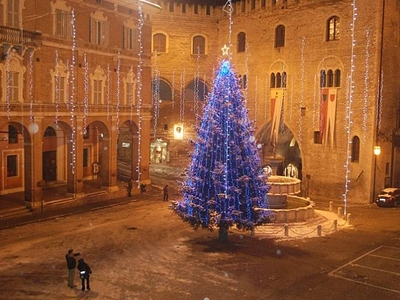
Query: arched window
{"type": "Point", "coordinates": [159, 43]}
{"type": "Point", "coordinates": [284, 79]}
{"type": "Point", "coordinates": [278, 80]}
{"type": "Point", "coordinates": [50, 132]}
{"type": "Point", "coordinates": [329, 78]}
{"type": "Point", "coordinates": [272, 80]}
{"type": "Point", "coordinates": [280, 36]}
{"type": "Point", "coordinates": [322, 78]}
{"type": "Point", "coordinates": [337, 78]}
{"type": "Point", "coordinates": [241, 42]}
{"type": "Point", "coordinates": [199, 45]}
{"type": "Point", "coordinates": [332, 29]}
{"type": "Point", "coordinates": [355, 149]}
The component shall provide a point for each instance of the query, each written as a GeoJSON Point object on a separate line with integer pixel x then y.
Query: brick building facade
{"type": "Point", "coordinates": [319, 80]}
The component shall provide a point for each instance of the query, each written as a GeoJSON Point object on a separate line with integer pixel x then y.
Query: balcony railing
{"type": "Point", "coordinates": [16, 37]}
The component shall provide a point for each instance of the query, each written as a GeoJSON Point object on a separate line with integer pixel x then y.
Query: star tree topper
{"type": "Point", "coordinates": [225, 50]}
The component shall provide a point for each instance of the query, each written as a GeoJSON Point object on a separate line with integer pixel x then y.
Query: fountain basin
{"type": "Point", "coordinates": [302, 209]}
{"type": "Point", "coordinates": [279, 189]}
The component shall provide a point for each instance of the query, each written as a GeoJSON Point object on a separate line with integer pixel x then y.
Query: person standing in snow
{"type": "Point", "coordinates": [84, 273]}
{"type": "Point", "coordinates": [165, 192]}
{"type": "Point", "coordinates": [71, 264]}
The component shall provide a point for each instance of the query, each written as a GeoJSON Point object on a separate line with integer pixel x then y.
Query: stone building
{"type": "Point", "coordinates": [319, 77]}
{"type": "Point", "coordinates": [73, 76]}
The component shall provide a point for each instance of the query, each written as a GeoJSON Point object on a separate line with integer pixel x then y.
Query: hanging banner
{"type": "Point", "coordinates": [276, 110]}
{"type": "Point", "coordinates": [328, 115]}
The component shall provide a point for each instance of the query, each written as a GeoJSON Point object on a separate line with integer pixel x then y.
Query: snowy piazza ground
{"type": "Point", "coordinates": [143, 250]}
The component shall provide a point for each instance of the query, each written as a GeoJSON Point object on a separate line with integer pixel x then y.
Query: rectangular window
{"type": "Point", "coordinates": [129, 38]}
{"type": "Point", "coordinates": [243, 6]}
{"type": "Point", "coordinates": [12, 13]}
{"type": "Point", "coordinates": [184, 8]}
{"type": "Point", "coordinates": [60, 89]}
{"type": "Point", "coordinates": [12, 135]}
{"type": "Point", "coordinates": [97, 91]}
{"type": "Point", "coordinates": [61, 23]}
{"type": "Point", "coordinates": [12, 86]}
{"type": "Point", "coordinates": [208, 10]}
{"type": "Point", "coordinates": [12, 165]}
{"type": "Point", "coordinates": [253, 4]}
{"type": "Point", "coordinates": [317, 137]}
{"type": "Point", "coordinates": [171, 6]}
{"type": "Point", "coordinates": [98, 31]}
{"type": "Point", "coordinates": [196, 9]}
{"type": "Point", "coordinates": [85, 157]}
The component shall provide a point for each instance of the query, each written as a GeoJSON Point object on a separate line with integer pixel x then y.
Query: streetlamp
{"type": "Point", "coordinates": [377, 151]}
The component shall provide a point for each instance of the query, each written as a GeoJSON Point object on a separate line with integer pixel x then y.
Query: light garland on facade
{"type": "Point", "coordinates": [8, 87]}
{"type": "Point", "coordinates": [155, 86]}
{"type": "Point", "coordinates": [118, 91]}
{"type": "Point", "coordinates": [349, 107]}
{"type": "Point", "coordinates": [196, 89]}
{"type": "Point", "coordinates": [108, 88]}
{"type": "Point", "coordinates": [56, 87]}
{"type": "Point", "coordinates": [302, 62]}
{"type": "Point", "coordinates": [255, 100]}
{"type": "Point", "coordinates": [31, 88]}
{"type": "Point", "coordinates": [139, 91]}
{"type": "Point", "coordinates": [379, 105]}
{"type": "Point", "coordinates": [366, 83]}
{"type": "Point", "coordinates": [183, 96]}
{"type": "Point", "coordinates": [72, 95]}
{"type": "Point", "coordinates": [315, 103]}
{"type": "Point", "coordinates": [85, 92]}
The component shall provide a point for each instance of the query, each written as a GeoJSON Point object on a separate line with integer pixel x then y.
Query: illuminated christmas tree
{"type": "Point", "coordinates": [225, 185]}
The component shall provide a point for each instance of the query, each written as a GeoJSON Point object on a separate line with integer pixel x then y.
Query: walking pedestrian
{"type": "Point", "coordinates": [71, 264]}
{"type": "Point", "coordinates": [129, 187]}
{"type": "Point", "coordinates": [165, 192]}
{"type": "Point", "coordinates": [84, 273]}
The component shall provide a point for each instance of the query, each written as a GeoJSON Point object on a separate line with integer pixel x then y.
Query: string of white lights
{"type": "Point", "coordinates": [256, 100]}
{"type": "Point", "coordinates": [315, 103]}
{"type": "Point", "coordinates": [139, 90]}
{"type": "Point", "coordinates": [173, 90]}
{"type": "Point", "coordinates": [228, 8]}
{"type": "Point", "coordinates": [118, 91]}
{"type": "Point", "coordinates": [380, 105]}
{"type": "Point", "coordinates": [31, 87]}
{"type": "Point", "coordinates": [8, 86]}
{"type": "Point", "coordinates": [85, 92]}
{"type": "Point", "coordinates": [56, 87]}
{"type": "Point", "coordinates": [183, 96]}
{"type": "Point", "coordinates": [366, 83]}
{"type": "Point", "coordinates": [72, 95]}
{"type": "Point", "coordinates": [246, 77]}
{"type": "Point", "coordinates": [265, 96]}
{"type": "Point", "coordinates": [156, 94]}
{"type": "Point", "coordinates": [108, 95]}
{"type": "Point", "coordinates": [349, 106]}
{"type": "Point", "coordinates": [291, 100]}
{"type": "Point", "coordinates": [196, 88]}
{"type": "Point", "coordinates": [302, 62]}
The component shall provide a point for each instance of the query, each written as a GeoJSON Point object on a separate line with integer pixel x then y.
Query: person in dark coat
{"type": "Point", "coordinates": [165, 193]}
{"type": "Point", "coordinates": [84, 273]}
{"type": "Point", "coordinates": [71, 264]}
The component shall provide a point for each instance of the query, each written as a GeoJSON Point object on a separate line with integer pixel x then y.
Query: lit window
{"type": "Point", "coordinates": [333, 26]}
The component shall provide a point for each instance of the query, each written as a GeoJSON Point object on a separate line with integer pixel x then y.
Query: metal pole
{"type": "Point", "coordinates": [373, 186]}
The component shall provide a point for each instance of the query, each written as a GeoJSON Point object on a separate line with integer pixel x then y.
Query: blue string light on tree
{"type": "Point", "coordinates": [225, 185]}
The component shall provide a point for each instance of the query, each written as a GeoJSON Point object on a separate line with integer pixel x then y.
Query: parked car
{"type": "Point", "coordinates": [388, 197]}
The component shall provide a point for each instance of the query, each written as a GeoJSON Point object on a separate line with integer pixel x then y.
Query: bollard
{"type": "Point", "coordinates": [348, 219]}
{"type": "Point", "coordinates": [286, 230]}
{"type": "Point", "coordinates": [319, 230]}
{"type": "Point", "coordinates": [339, 212]}
{"type": "Point", "coordinates": [335, 225]}
{"type": "Point", "coordinates": [330, 206]}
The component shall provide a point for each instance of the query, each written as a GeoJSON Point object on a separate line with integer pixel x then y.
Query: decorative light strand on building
{"type": "Point", "coordinates": [291, 100]}
{"type": "Point", "coordinates": [366, 83]}
{"type": "Point", "coordinates": [302, 63]}
{"type": "Point", "coordinates": [265, 96]}
{"type": "Point", "coordinates": [85, 92]}
{"type": "Point", "coordinates": [118, 91]}
{"type": "Point", "coordinates": [380, 105]}
{"type": "Point", "coordinates": [31, 86]}
{"type": "Point", "coordinates": [131, 93]}
{"type": "Point", "coordinates": [183, 96]}
{"type": "Point", "coordinates": [57, 87]}
{"type": "Point", "coordinates": [8, 86]}
{"type": "Point", "coordinates": [255, 100]}
{"type": "Point", "coordinates": [246, 77]}
{"type": "Point", "coordinates": [196, 88]}
{"type": "Point", "coordinates": [315, 103]}
{"type": "Point", "coordinates": [155, 86]}
{"type": "Point", "coordinates": [139, 91]}
{"type": "Point", "coordinates": [228, 8]}
{"type": "Point", "coordinates": [349, 107]}
{"type": "Point", "coordinates": [72, 83]}
{"type": "Point", "coordinates": [108, 96]}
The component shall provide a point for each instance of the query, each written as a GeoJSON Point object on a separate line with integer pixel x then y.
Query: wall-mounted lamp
{"type": "Point", "coordinates": [377, 150]}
